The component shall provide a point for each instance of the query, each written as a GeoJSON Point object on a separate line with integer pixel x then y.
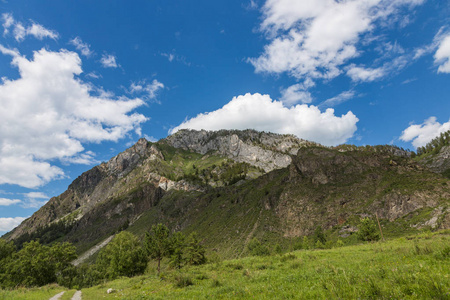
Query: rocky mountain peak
{"type": "Point", "coordinates": [268, 151]}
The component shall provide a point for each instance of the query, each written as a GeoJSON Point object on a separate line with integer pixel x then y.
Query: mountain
{"type": "Point", "coordinates": [231, 186]}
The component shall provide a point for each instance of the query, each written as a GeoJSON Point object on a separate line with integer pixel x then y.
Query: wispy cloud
{"type": "Point", "coordinates": [148, 91]}
{"type": "Point", "coordinates": [84, 48]}
{"type": "Point", "coordinates": [8, 202]}
{"type": "Point", "coordinates": [173, 57]}
{"type": "Point", "coordinates": [108, 61]}
{"type": "Point", "coordinates": [20, 31]}
{"type": "Point", "coordinates": [342, 97]}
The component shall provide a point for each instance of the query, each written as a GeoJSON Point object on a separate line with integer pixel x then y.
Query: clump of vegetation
{"type": "Point", "coordinates": [182, 281]}
{"type": "Point", "coordinates": [35, 264]}
{"type": "Point", "coordinates": [368, 230]}
{"type": "Point", "coordinates": [179, 249]}
{"type": "Point", "coordinates": [256, 248]}
{"type": "Point", "coordinates": [123, 256]}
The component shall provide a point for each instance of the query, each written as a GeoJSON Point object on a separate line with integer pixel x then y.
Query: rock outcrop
{"type": "Point", "coordinates": [439, 162]}
{"type": "Point", "coordinates": [268, 151]}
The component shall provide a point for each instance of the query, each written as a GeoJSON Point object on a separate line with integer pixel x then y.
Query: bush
{"type": "Point", "coordinates": [257, 249]}
{"type": "Point", "coordinates": [368, 230]}
{"type": "Point", "coordinates": [319, 245]}
{"type": "Point", "coordinates": [182, 281]}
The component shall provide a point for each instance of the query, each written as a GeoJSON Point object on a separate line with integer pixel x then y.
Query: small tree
{"type": "Point", "coordinates": [305, 242]}
{"type": "Point", "coordinates": [195, 252]}
{"type": "Point", "coordinates": [158, 244]}
{"type": "Point", "coordinates": [178, 248]}
{"type": "Point", "coordinates": [368, 230]}
{"type": "Point", "coordinates": [123, 256]}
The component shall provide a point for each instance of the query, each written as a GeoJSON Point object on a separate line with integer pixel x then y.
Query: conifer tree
{"type": "Point", "coordinates": [157, 243]}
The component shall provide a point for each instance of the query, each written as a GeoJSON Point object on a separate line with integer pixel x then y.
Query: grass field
{"type": "Point", "coordinates": [414, 267]}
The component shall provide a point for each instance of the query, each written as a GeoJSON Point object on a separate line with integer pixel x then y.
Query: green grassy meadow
{"type": "Point", "coordinates": [413, 267]}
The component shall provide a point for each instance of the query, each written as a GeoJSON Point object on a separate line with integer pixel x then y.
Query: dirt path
{"type": "Point", "coordinates": [77, 295]}
{"type": "Point", "coordinates": [57, 296]}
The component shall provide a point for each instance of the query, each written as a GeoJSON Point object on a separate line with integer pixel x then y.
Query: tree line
{"type": "Point", "coordinates": [37, 265]}
{"type": "Point", "coordinates": [436, 144]}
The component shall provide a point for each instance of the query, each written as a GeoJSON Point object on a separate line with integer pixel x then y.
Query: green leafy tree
{"type": "Point", "coordinates": [123, 256]}
{"type": "Point", "coordinates": [195, 252]}
{"type": "Point", "coordinates": [157, 243]}
{"type": "Point", "coordinates": [37, 265]}
{"type": "Point", "coordinates": [368, 230]}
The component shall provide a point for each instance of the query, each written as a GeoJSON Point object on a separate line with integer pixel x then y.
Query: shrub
{"type": "Point", "coordinates": [319, 245]}
{"type": "Point", "coordinates": [182, 281]}
{"type": "Point", "coordinates": [368, 230]}
{"type": "Point", "coordinates": [257, 249]}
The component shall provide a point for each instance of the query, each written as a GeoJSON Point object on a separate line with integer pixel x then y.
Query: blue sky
{"type": "Point", "coordinates": [83, 80]}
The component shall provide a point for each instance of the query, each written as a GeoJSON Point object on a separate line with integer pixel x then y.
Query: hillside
{"type": "Point", "coordinates": [231, 186]}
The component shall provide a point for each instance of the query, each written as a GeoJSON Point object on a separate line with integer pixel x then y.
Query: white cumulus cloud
{"type": "Point", "coordinates": [7, 224]}
{"type": "Point", "coordinates": [315, 38]}
{"type": "Point", "coordinates": [442, 55]}
{"type": "Point", "coordinates": [47, 114]}
{"type": "Point", "coordinates": [260, 112]}
{"type": "Point", "coordinates": [297, 93]}
{"type": "Point", "coordinates": [421, 134]}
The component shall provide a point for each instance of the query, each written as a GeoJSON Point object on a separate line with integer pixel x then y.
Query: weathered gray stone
{"type": "Point", "coordinates": [268, 151]}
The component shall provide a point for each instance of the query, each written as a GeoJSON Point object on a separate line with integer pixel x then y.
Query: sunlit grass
{"type": "Point", "coordinates": [415, 267]}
